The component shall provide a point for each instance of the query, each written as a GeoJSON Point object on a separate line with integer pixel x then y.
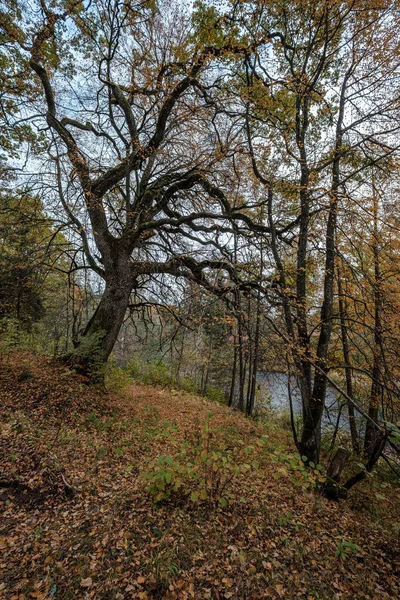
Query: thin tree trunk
{"type": "Point", "coordinates": [233, 376]}
{"type": "Point", "coordinates": [375, 454]}
{"type": "Point", "coordinates": [310, 443]}
{"type": "Point", "coordinates": [346, 356]}
{"type": "Point", "coordinates": [251, 399]}
{"type": "Point", "coordinates": [334, 436]}
{"type": "Point", "coordinates": [242, 366]}
{"type": "Point", "coordinates": [372, 434]}
{"type": "Point", "coordinates": [207, 371]}
{"type": "Point", "coordinates": [250, 355]}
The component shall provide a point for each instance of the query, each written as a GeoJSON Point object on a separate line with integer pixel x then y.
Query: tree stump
{"type": "Point", "coordinates": [337, 464]}
{"type": "Point", "coordinates": [331, 487]}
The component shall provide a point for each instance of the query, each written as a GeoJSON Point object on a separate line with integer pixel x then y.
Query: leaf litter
{"type": "Point", "coordinates": [77, 520]}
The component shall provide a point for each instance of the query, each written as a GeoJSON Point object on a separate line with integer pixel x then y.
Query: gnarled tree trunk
{"type": "Point", "coordinates": [100, 334]}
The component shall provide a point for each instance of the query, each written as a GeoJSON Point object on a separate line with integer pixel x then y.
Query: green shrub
{"type": "Point", "coordinates": [160, 373]}
{"type": "Point", "coordinates": [345, 548]}
{"type": "Point", "coordinates": [188, 385]}
{"type": "Point", "coordinates": [294, 466]}
{"type": "Point", "coordinates": [11, 337]}
{"type": "Point", "coordinates": [394, 430]}
{"type": "Point", "coordinates": [151, 373]}
{"type": "Point", "coordinates": [89, 351]}
{"type": "Point", "coordinates": [116, 378]}
{"type": "Point", "coordinates": [203, 470]}
{"type": "Point", "coordinates": [216, 394]}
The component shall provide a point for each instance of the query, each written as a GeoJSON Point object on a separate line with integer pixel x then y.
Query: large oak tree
{"type": "Point", "coordinates": [118, 94]}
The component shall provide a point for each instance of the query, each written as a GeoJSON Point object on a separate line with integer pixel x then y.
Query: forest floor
{"type": "Point", "coordinates": [77, 520]}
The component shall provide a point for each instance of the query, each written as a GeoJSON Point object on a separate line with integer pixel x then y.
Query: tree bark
{"type": "Point", "coordinates": [233, 375]}
{"type": "Point", "coordinates": [372, 434]}
{"type": "Point", "coordinates": [253, 381]}
{"type": "Point", "coordinates": [337, 464]}
{"type": "Point", "coordinates": [100, 334]}
{"type": "Point", "coordinates": [313, 404]}
{"type": "Point", "coordinates": [346, 356]}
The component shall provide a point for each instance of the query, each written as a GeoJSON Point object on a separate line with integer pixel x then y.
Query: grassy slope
{"type": "Point", "coordinates": [109, 541]}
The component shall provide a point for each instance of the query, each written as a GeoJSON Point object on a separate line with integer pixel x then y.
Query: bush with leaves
{"type": "Point", "coordinates": [394, 432]}
{"type": "Point", "coordinates": [203, 470]}
{"type": "Point", "coordinates": [116, 378]}
{"type": "Point", "coordinates": [152, 373]}
{"type": "Point", "coordinates": [88, 355]}
{"type": "Point", "coordinates": [296, 468]}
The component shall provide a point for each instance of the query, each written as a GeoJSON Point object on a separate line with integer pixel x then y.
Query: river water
{"type": "Point", "coordinates": [273, 392]}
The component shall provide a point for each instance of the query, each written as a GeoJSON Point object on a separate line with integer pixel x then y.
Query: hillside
{"type": "Point", "coordinates": [79, 522]}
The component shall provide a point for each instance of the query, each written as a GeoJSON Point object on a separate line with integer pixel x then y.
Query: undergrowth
{"type": "Point", "coordinates": [159, 374]}
{"type": "Point", "coordinates": [203, 470]}
{"type": "Point", "coordinates": [222, 507]}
